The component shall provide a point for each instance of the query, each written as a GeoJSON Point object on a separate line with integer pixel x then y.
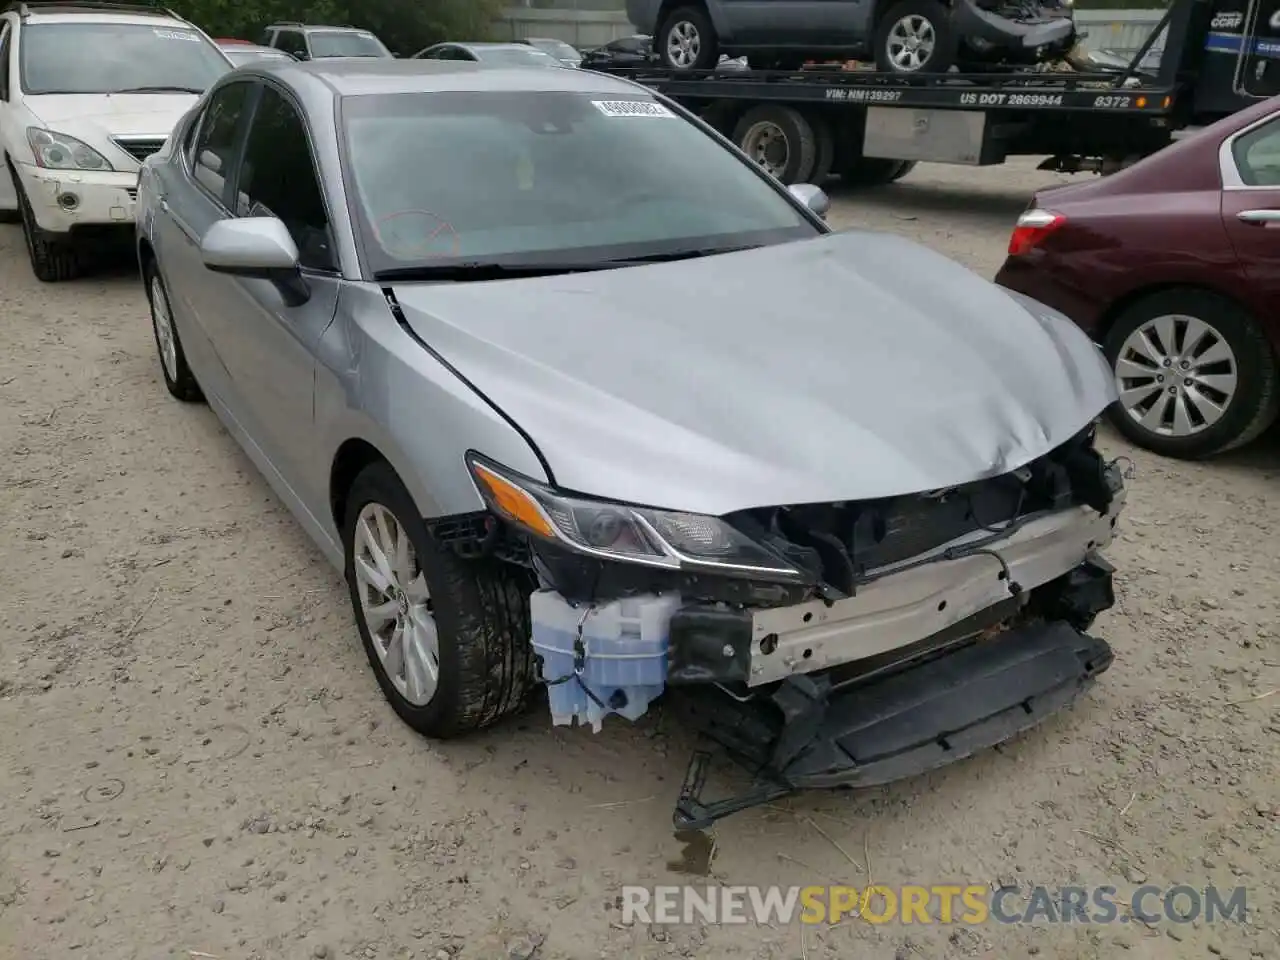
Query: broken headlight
{"type": "Point", "coordinates": [630, 534]}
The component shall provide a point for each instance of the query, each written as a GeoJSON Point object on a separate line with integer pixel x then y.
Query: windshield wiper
{"type": "Point", "coordinates": [681, 255]}
{"type": "Point", "coordinates": [495, 270]}
{"type": "Point", "coordinates": [488, 270]}
{"type": "Point", "coordinates": [160, 89]}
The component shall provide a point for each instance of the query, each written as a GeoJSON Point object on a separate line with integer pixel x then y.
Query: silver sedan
{"type": "Point", "coordinates": [542, 363]}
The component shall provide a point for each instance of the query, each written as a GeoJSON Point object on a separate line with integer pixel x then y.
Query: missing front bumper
{"type": "Point", "coordinates": [889, 727]}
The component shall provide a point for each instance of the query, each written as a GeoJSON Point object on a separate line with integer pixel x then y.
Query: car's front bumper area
{"type": "Point", "coordinates": [899, 719]}
{"type": "Point", "coordinates": [68, 201]}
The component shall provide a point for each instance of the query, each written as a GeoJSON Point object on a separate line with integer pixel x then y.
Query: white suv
{"type": "Point", "coordinates": [88, 90]}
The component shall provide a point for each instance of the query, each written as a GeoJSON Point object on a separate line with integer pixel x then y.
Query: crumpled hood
{"type": "Point", "coordinates": [118, 115]}
{"type": "Point", "coordinates": [853, 366]}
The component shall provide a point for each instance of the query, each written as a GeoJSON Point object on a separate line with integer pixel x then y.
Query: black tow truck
{"type": "Point", "coordinates": [1086, 113]}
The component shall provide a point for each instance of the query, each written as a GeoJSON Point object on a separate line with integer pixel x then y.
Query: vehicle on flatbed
{"type": "Point", "coordinates": [1083, 111]}
{"type": "Point", "coordinates": [901, 36]}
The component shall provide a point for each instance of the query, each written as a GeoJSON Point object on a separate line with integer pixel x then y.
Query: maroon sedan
{"type": "Point", "coordinates": [1173, 266]}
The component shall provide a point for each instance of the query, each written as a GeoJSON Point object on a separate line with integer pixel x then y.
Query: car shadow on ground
{"type": "Point", "coordinates": [977, 206]}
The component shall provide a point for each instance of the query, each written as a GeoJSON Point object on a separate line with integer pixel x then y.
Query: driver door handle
{"type": "Point", "coordinates": [1262, 217]}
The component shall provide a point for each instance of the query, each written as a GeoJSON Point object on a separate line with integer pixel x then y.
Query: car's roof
{"type": "Point", "coordinates": [361, 77]}
{"type": "Point", "coordinates": [71, 14]}
{"type": "Point", "coordinates": [318, 26]}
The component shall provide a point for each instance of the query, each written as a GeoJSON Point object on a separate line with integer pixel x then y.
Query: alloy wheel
{"type": "Point", "coordinates": [1176, 375]}
{"type": "Point", "coordinates": [911, 42]}
{"type": "Point", "coordinates": [162, 320]}
{"type": "Point", "coordinates": [396, 604]}
{"type": "Point", "coordinates": [684, 43]}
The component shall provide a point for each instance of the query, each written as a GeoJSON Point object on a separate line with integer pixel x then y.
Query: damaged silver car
{"type": "Point", "coordinates": [581, 400]}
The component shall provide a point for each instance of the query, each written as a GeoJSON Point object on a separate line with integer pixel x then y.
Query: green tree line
{"type": "Point", "coordinates": [405, 26]}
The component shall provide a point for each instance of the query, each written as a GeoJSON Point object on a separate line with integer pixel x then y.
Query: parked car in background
{"type": "Point", "coordinates": [562, 51]}
{"type": "Point", "coordinates": [459, 385]}
{"type": "Point", "coordinates": [902, 36]}
{"type": "Point", "coordinates": [503, 54]}
{"type": "Point", "coordinates": [87, 93]}
{"type": "Point", "coordinates": [1173, 266]}
{"type": "Point", "coordinates": [241, 52]}
{"type": "Point", "coordinates": [316, 42]}
{"type": "Point", "coordinates": [636, 51]}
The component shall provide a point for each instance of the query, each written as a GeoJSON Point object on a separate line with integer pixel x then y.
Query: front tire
{"type": "Point", "coordinates": [178, 378]}
{"type": "Point", "coordinates": [1195, 373]}
{"type": "Point", "coordinates": [448, 638]}
{"type": "Point", "coordinates": [915, 36]}
{"type": "Point", "coordinates": [687, 40]}
{"type": "Point", "coordinates": [52, 261]}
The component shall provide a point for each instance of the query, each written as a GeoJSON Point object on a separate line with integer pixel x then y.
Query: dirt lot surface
{"type": "Point", "coordinates": [195, 760]}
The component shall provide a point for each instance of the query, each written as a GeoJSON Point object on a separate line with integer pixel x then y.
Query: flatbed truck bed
{"type": "Point", "coordinates": [870, 127]}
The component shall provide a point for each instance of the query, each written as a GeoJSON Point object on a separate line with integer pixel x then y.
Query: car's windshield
{"type": "Point", "coordinates": [346, 43]}
{"type": "Point", "coordinates": [454, 177]}
{"type": "Point", "coordinates": [557, 48]}
{"type": "Point", "coordinates": [125, 57]}
{"type": "Point", "coordinates": [516, 56]}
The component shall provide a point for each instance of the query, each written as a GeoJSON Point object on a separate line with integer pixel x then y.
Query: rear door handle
{"type": "Point", "coordinates": [1259, 216]}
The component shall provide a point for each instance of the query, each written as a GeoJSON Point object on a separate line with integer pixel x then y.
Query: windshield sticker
{"type": "Point", "coordinates": [175, 35]}
{"type": "Point", "coordinates": [631, 108]}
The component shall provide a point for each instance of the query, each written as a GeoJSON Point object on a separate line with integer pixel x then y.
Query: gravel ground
{"type": "Point", "coordinates": [195, 760]}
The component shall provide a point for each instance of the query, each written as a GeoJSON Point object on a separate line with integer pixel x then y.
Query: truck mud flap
{"type": "Point", "coordinates": [907, 723]}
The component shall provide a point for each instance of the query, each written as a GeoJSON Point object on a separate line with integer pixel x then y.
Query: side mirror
{"type": "Point", "coordinates": [812, 196]}
{"type": "Point", "coordinates": [258, 248]}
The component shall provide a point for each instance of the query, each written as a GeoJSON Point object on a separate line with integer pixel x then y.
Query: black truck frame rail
{"type": "Point", "coordinates": [1083, 120]}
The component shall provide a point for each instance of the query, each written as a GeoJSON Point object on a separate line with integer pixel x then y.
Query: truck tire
{"type": "Point", "coordinates": [871, 171]}
{"type": "Point", "coordinates": [903, 169]}
{"type": "Point", "coordinates": [687, 40]}
{"type": "Point", "coordinates": [475, 612]}
{"type": "Point", "coordinates": [1241, 378]}
{"type": "Point", "coordinates": [825, 151]}
{"type": "Point", "coordinates": [915, 36]}
{"type": "Point", "coordinates": [721, 115]}
{"type": "Point", "coordinates": [780, 140]}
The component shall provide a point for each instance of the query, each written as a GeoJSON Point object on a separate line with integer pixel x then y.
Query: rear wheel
{"type": "Point", "coordinates": [178, 378]}
{"type": "Point", "coordinates": [824, 152]}
{"type": "Point", "coordinates": [872, 171]}
{"type": "Point", "coordinates": [687, 40]}
{"type": "Point", "coordinates": [915, 36]}
{"type": "Point", "coordinates": [905, 167]}
{"type": "Point", "coordinates": [779, 139]}
{"type": "Point", "coordinates": [448, 638]}
{"type": "Point", "coordinates": [1195, 374]}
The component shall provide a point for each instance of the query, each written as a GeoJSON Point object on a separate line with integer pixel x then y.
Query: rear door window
{"type": "Point", "coordinates": [1257, 155]}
